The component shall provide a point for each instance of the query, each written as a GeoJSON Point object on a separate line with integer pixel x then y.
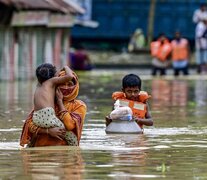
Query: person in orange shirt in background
{"type": "Point", "coordinates": [160, 51]}
{"type": "Point", "coordinates": [180, 54]}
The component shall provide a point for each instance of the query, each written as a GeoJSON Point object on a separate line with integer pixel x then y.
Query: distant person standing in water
{"type": "Point", "coordinates": [180, 54]}
{"type": "Point", "coordinates": [160, 52]}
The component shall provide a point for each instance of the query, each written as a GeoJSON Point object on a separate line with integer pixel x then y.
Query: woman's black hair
{"type": "Point", "coordinates": [45, 71]}
{"type": "Point", "coordinates": [131, 80]}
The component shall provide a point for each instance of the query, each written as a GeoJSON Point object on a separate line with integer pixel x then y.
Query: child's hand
{"type": "Point", "coordinates": [108, 118]}
{"type": "Point", "coordinates": [137, 119]}
{"type": "Point", "coordinates": [68, 71]}
{"type": "Point", "coordinates": [66, 68]}
{"type": "Point", "coordinates": [63, 69]}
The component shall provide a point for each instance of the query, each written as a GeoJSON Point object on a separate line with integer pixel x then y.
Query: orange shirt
{"type": "Point", "coordinates": [139, 107]}
{"type": "Point", "coordinates": [160, 51]}
{"type": "Point", "coordinates": [179, 50]}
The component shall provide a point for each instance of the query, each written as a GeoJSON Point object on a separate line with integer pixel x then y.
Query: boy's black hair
{"type": "Point", "coordinates": [45, 71]}
{"type": "Point", "coordinates": [131, 80]}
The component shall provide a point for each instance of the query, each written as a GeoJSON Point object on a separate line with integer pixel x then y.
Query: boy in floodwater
{"type": "Point", "coordinates": [132, 96]}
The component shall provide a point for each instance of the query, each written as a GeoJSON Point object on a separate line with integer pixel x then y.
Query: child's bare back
{"type": "Point", "coordinates": [44, 95]}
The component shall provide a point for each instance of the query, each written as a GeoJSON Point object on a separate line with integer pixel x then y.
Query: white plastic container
{"type": "Point", "coordinates": [123, 127]}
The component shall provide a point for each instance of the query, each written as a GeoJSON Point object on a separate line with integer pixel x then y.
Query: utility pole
{"type": "Point", "coordinates": [150, 26]}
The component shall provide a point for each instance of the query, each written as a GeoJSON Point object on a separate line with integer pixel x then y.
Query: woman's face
{"type": "Point", "coordinates": [131, 93]}
{"type": "Point", "coordinates": [66, 88]}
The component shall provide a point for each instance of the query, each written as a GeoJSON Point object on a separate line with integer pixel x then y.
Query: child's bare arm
{"type": "Point", "coordinates": [63, 79]}
{"type": "Point", "coordinates": [148, 121]}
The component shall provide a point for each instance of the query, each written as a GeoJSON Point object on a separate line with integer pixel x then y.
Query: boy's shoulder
{"type": "Point", "coordinates": [143, 96]}
{"type": "Point", "coordinates": [118, 95]}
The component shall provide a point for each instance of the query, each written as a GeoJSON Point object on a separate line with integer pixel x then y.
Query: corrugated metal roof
{"type": "Point", "coordinates": [64, 6]}
{"type": "Point", "coordinates": [42, 18]}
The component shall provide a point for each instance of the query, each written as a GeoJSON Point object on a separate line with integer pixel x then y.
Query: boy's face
{"type": "Point", "coordinates": [131, 93]}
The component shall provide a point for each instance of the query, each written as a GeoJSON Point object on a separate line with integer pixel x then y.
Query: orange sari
{"type": "Point", "coordinates": [76, 110]}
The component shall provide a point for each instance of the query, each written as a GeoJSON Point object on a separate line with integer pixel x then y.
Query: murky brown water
{"type": "Point", "coordinates": [174, 148]}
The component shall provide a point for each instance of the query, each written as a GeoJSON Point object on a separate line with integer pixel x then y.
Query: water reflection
{"type": "Point", "coordinates": [179, 92]}
{"type": "Point", "coordinates": [161, 93]}
{"type": "Point", "coordinates": [200, 97]}
{"type": "Point", "coordinates": [13, 94]}
{"type": "Point", "coordinates": [15, 102]}
{"type": "Point", "coordinates": [169, 101]}
{"type": "Point", "coordinates": [118, 156]}
{"type": "Point", "coordinates": [136, 147]}
{"type": "Point", "coordinates": [53, 163]}
{"type": "Point", "coordinates": [169, 93]}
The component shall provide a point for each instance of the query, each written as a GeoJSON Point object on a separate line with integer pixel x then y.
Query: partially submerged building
{"type": "Point", "coordinates": [33, 32]}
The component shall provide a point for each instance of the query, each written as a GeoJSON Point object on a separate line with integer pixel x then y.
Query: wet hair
{"type": "Point", "coordinates": [131, 80]}
{"type": "Point", "coordinates": [45, 71]}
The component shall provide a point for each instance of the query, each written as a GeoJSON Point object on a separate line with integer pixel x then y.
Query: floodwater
{"type": "Point", "coordinates": [174, 148]}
